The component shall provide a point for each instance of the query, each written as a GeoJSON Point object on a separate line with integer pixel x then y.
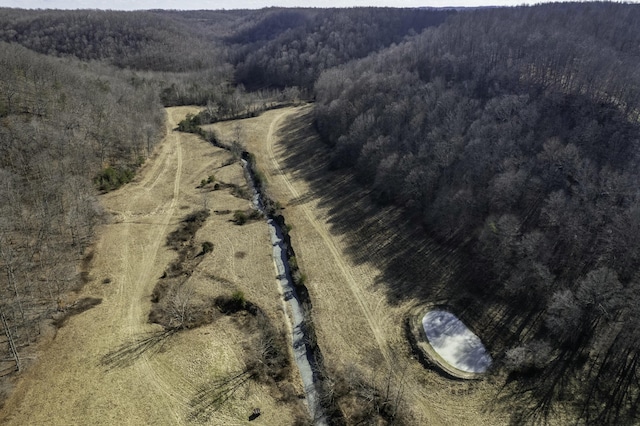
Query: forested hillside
{"type": "Point", "coordinates": [293, 48]}
{"type": "Point", "coordinates": [513, 135]}
{"type": "Point", "coordinates": [137, 40]}
{"type": "Point", "coordinates": [65, 128]}
{"type": "Point", "coordinates": [510, 136]}
{"type": "Point", "coordinates": [179, 55]}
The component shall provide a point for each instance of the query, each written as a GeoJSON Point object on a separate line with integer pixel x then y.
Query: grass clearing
{"type": "Point", "coordinates": [359, 317]}
{"type": "Point", "coordinates": [109, 365]}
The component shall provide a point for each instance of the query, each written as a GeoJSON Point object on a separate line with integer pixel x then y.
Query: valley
{"type": "Point", "coordinates": [447, 230]}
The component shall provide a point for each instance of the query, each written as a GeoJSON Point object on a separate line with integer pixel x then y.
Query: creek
{"type": "Point", "coordinates": [303, 353]}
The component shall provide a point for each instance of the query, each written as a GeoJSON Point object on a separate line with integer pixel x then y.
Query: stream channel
{"type": "Point", "coordinates": [303, 355]}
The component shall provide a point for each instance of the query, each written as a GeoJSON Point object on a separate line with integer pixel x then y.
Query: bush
{"type": "Point", "coordinates": [212, 138]}
{"type": "Point", "coordinates": [240, 217]}
{"type": "Point", "coordinates": [191, 124]}
{"type": "Point", "coordinates": [238, 298]}
{"type": "Point", "coordinates": [205, 182]}
{"type": "Point", "coordinates": [293, 263]}
{"type": "Point", "coordinates": [187, 229]}
{"type": "Point", "coordinates": [255, 214]}
{"type": "Point", "coordinates": [112, 178]}
{"type": "Point", "coordinates": [299, 278]}
{"type": "Point", "coordinates": [207, 247]}
{"type": "Point", "coordinates": [234, 303]}
{"type": "Point", "coordinates": [259, 178]}
{"type": "Point", "coordinates": [239, 192]}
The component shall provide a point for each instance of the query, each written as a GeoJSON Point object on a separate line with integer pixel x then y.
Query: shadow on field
{"type": "Point", "coordinates": [212, 396]}
{"type": "Point", "coordinates": [129, 352]}
{"type": "Point", "coordinates": [414, 266]}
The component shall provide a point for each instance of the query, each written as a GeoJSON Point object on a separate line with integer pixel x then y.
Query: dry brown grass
{"type": "Point", "coordinates": [358, 320]}
{"type": "Point", "coordinates": [70, 383]}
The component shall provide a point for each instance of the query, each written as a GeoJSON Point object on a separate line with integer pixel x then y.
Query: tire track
{"type": "Point", "coordinates": [355, 289]}
{"type": "Point", "coordinates": [396, 367]}
{"type": "Point", "coordinates": [137, 278]}
{"type": "Point", "coordinates": [146, 282]}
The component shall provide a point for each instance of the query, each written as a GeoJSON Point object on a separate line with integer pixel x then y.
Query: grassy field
{"type": "Point", "coordinates": [368, 272]}
{"type": "Point", "coordinates": [341, 242]}
{"type": "Point", "coordinates": [109, 365]}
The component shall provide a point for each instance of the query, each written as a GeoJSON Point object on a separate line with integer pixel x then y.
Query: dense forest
{"type": "Point", "coordinates": [511, 134]}
{"type": "Point", "coordinates": [308, 45]}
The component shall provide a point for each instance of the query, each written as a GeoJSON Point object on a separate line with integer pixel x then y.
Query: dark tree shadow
{"type": "Point", "coordinates": [212, 396]}
{"type": "Point", "coordinates": [130, 352]}
{"type": "Point", "coordinates": [413, 265]}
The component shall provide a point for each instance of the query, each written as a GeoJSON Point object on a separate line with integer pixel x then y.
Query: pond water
{"type": "Point", "coordinates": [455, 343]}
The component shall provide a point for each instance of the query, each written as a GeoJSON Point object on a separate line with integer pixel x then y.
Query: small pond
{"type": "Point", "coordinates": [455, 343]}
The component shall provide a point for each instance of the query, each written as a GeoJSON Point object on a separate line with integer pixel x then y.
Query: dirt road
{"type": "Point", "coordinates": [336, 256]}
{"type": "Point", "coordinates": [358, 330]}
{"type": "Point", "coordinates": [70, 387]}
{"type": "Point", "coordinates": [71, 384]}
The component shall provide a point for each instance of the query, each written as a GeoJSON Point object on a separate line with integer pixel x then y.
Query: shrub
{"type": "Point", "coordinates": [191, 124]}
{"type": "Point", "coordinates": [240, 217]}
{"type": "Point", "coordinates": [254, 214]}
{"type": "Point", "coordinates": [239, 192]}
{"type": "Point", "coordinates": [299, 279]}
{"type": "Point", "coordinates": [211, 138]}
{"type": "Point", "coordinates": [207, 247]}
{"type": "Point", "coordinates": [238, 298]}
{"type": "Point", "coordinates": [293, 263]}
{"type": "Point", "coordinates": [187, 229]}
{"type": "Point", "coordinates": [111, 178]}
{"type": "Point", "coordinates": [235, 303]}
{"type": "Point", "coordinates": [259, 178]}
{"type": "Point", "coordinates": [205, 182]}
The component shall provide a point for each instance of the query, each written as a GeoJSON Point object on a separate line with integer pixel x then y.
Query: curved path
{"type": "Point", "coordinates": [70, 385]}
{"type": "Point", "coordinates": [338, 258]}
{"type": "Point", "coordinates": [367, 305]}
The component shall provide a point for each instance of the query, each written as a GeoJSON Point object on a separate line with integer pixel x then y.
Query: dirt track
{"type": "Point", "coordinates": [355, 324]}
{"type": "Point", "coordinates": [336, 256]}
{"type": "Point", "coordinates": [357, 328]}
{"type": "Point", "coordinates": [71, 384]}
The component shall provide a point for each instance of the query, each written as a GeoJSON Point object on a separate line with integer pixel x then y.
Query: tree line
{"type": "Point", "coordinates": [510, 134]}
{"type": "Point", "coordinates": [60, 125]}
{"type": "Point", "coordinates": [513, 135]}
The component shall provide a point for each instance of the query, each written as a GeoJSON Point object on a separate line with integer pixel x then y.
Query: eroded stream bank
{"type": "Point", "coordinates": [305, 350]}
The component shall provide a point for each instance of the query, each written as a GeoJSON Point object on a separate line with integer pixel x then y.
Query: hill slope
{"type": "Point", "coordinates": [512, 136]}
